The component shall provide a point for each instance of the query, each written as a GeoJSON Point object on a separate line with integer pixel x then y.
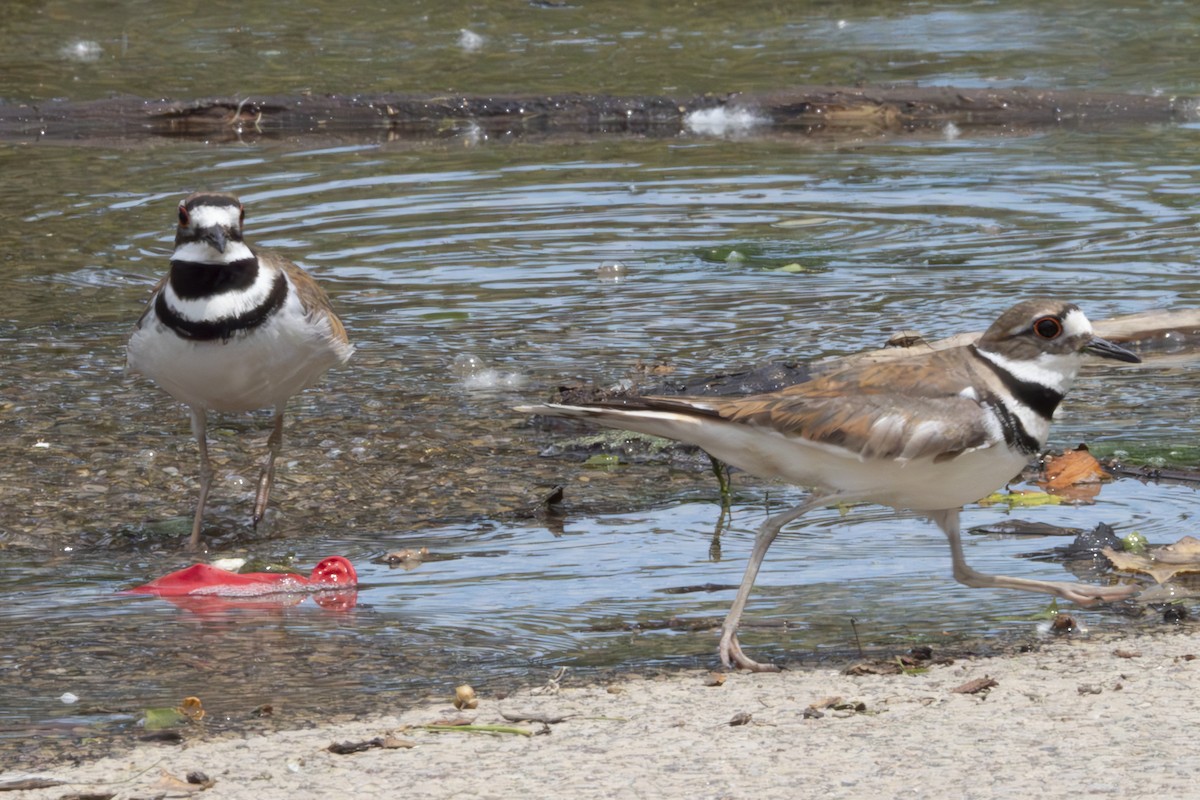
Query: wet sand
{"type": "Point", "coordinates": [1097, 716]}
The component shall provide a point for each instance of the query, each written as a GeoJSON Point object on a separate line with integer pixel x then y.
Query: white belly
{"type": "Point", "coordinates": [259, 369]}
{"type": "Point", "coordinates": [920, 484]}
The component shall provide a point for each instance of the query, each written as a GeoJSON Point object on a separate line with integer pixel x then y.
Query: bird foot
{"type": "Point", "coordinates": [733, 656]}
{"type": "Point", "coordinates": [1083, 594]}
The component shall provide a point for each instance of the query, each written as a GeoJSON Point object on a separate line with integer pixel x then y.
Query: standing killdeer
{"type": "Point", "coordinates": [928, 433]}
{"type": "Point", "coordinates": [233, 329]}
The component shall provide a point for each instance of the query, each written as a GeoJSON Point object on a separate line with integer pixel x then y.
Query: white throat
{"type": "Point", "coordinates": [1054, 371]}
{"type": "Point", "coordinates": [205, 253]}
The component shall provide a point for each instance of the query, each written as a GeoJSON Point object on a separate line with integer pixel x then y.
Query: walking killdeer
{"type": "Point", "coordinates": [928, 433]}
{"type": "Point", "coordinates": [230, 328]}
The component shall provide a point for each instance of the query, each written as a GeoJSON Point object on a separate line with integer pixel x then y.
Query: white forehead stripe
{"type": "Point", "coordinates": [215, 216]}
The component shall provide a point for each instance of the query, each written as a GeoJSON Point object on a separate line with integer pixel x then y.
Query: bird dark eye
{"type": "Point", "coordinates": [241, 216]}
{"type": "Point", "coordinates": [184, 219]}
{"type": "Point", "coordinates": [1048, 327]}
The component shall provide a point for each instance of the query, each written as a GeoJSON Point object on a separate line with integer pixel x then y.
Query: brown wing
{"type": "Point", "coordinates": [312, 296]}
{"type": "Point", "coordinates": [158, 287]}
{"type": "Point", "coordinates": [896, 410]}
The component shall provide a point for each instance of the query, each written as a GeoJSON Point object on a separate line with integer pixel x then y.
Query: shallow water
{"type": "Point", "coordinates": [488, 252]}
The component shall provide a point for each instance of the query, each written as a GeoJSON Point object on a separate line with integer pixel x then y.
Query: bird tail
{"type": "Point", "coordinates": [656, 416]}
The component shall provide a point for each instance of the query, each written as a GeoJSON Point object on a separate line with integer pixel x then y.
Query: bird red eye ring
{"type": "Point", "coordinates": [1048, 327]}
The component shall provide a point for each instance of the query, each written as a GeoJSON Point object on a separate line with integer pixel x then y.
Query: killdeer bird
{"type": "Point", "coordinates": [230, 328]}
{"type": "Point", "coordinates": [928, 433]}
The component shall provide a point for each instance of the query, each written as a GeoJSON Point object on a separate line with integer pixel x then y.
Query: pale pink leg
{"type": "Point", "coordinates": [1083, 594]}
{"type": "Point", "coordinates": [267, 477]}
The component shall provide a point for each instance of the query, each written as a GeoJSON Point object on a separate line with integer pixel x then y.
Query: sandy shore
{"type": "Point", "coordinates": [1074, 718]}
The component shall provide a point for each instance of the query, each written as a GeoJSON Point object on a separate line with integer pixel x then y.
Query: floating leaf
{"type": "Point", "coordinates": [1135, 542]}
{"type": "Point", "coordinates": [1160, 563]}
{"type": "Point", "coordinates": [156, 719]}
{"type": "Point", "coordinates": [1021, 499]}
{"type": "Point", "coordinates": [603, 461]}
{"type": "Point", "coordinates": [1075, 475]}
{"type": "Point", "coordinates": [192, 708]}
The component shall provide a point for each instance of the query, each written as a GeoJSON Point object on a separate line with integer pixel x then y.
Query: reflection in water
{"type": "Point", "coordinates": [498, 603]}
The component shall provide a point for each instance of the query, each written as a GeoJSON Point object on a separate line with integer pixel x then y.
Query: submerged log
{"type": "Point", "coordinates": [801, 110]}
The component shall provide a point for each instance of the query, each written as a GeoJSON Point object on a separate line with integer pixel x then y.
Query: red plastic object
{"type": "Point", "coordinates": [204, 581]}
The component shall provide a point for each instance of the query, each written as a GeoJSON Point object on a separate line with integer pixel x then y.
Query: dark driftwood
{"type": "Point", "coordinates": [805, 110]}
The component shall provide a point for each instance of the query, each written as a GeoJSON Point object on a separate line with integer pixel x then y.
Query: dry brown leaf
{"type": "Point", "coordinates": [455, 722]}
{"type": "Point", "coordinates": [1127, 653]}
{"type": "Point", "coordinates": [170, 783]}
{"type": "Point", "coordinates": [975, 687]}
{"type": "Point", "coordinates": [391, 742]}
{"type": "Point", "coordinates": [882, 667]}
{"type": "Point", "coordinates": [1071, 469]}
{"type": "Point", "coordinates": [1160, 563]}
{"type": "Point", "coordinates": [715, 679]}
{"type": "Point", "coordinates": [192, 708]}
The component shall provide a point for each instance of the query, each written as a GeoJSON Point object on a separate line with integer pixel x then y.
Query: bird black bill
{"type": "Point", "coordinates": [1106, 349]}
{"type": "Point", "coordinates": [216, 237]}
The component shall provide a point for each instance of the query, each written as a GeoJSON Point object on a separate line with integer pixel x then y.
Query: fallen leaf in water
{"type": "Point", "coordinates": [975, 687]}
{"type": "Point", "coordinates": [1135, 542]}
{"type": "Point", "coordinates": [406, 558]}
{"type": "Point", "coordinates": [1160, 563]}
{"type": "Point", "coordinates": [1021, 499]}
{"type": "Point", "coordinates": [192, 708]}
{"type": "Point", "coordinates": [156, 719]}
{"type": "Point", "coordinates": [1072, 468]}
